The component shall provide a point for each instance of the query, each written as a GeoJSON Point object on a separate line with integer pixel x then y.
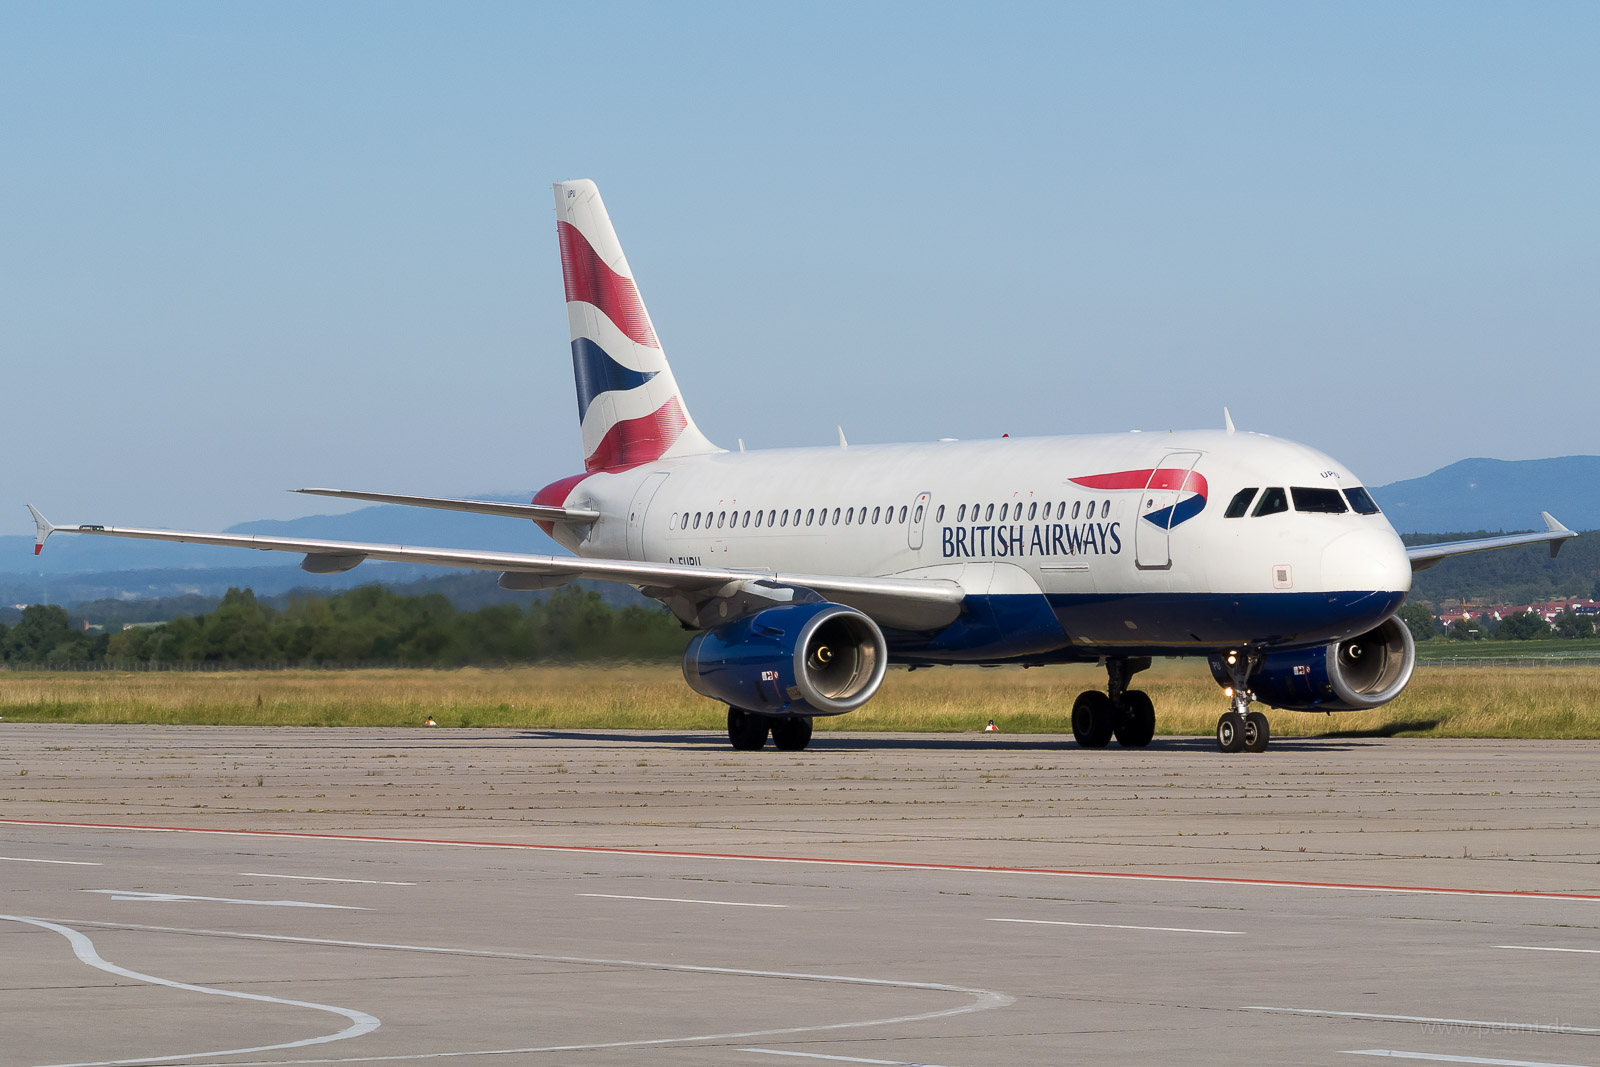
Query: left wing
{"type": "Point", "coordinates": [1425, 556]}
{"type": "Point", "coordinates": [902, 603]}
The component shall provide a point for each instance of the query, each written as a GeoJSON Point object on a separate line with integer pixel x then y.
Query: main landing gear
{"type": "Point", "coordinates": [1127, 714]}
{"type": "Point", "coordinates": [747, 730]}
{"type": "Point", "coordinates": [1240, 729]}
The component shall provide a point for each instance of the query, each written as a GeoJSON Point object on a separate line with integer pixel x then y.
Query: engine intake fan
{"type": "Point", "coordinates": [796, 659]}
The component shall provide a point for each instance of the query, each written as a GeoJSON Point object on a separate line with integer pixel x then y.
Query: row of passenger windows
{"type": "Point", "coordinates": [1317, 501]}
{"type": "Point", "coordinates": [1013, 512]}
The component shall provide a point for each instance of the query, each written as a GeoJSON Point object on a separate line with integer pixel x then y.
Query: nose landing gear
{"type": "Point", "coordinates": [1240, 729]}
{"type": "Point", "coordinates": [1127, 714]}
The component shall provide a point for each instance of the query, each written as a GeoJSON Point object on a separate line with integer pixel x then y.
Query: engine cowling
{"type": "Point", "coordinates": [795, 659]}
{"type": "Point", "coordinates": [1365, 671]}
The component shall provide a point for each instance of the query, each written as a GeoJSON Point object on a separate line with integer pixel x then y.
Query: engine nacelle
{"type": "Point", "coordinates": [795, 659]}
{"type": "Point", "coordinates": [1360, 672]}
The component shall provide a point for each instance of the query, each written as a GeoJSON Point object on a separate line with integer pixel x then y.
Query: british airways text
{"type": "Point", "coordinates": [1040, 539]}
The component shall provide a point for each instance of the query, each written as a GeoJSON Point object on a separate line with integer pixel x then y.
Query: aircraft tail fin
{"type": "Point", "coordinates": [629, 405]}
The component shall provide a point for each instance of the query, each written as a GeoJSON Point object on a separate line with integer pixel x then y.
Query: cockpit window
{"type": "Point", "coordinates": [1272, 501]}
{"type": "Point", "coordinates": [1318, 501]}
{"type": "Point", "coordinates": [1240, 503]}
{"type": "Point", "coordinates": [1361, 501]}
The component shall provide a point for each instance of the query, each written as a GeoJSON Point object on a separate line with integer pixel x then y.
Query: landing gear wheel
{"type": "Point", "coordinates": [1093, 718]}
{"type": "Point", "coordinates": [1137, 723]}
{"type": "Point", "coordinates": [747, 731]}
{"type": "Point", "coordinates": [1256, 732]}
{"type": "Point", "coordinates": [1230, 732]}
{"type": "Point", "coordinates": [791, 734]}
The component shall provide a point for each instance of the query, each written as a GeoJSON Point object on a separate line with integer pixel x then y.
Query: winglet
{"type": "Point", "coordinates": [1227, 421]}
{"type": "Point", "coordinates": [1554, 526]}
{"type": "Point", "coordinates": [42, 529]}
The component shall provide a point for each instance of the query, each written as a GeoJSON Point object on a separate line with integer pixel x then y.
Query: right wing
{"type": "Point", "coordinates": [1555, 535]}
{"type": "Point", "coordinates": [901, 603]}
{"type": "Point", "coordinates": [539, 512]}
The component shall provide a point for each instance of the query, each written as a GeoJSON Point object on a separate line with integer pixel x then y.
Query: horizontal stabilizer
{"type": "Point", "coordinates": [1555, 535]}
{"type": "Point", "coordinates": [536, 512]}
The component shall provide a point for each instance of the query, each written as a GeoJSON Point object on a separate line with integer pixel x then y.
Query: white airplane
{"type": "Point", "coordinates": [809, 570]}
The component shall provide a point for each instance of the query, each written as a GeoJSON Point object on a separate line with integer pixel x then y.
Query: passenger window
{"type": "Point", "coordinates": [1240, 503]}
{"type": "Point", "coordinates": [1272, 501]}
{"type": "Point", "coordinates": [918, 516]}
{"type": "Point", "coordinates": [939, 515]}
{"type": "Point", "coordinates": [988, 513]}
{"type": "Point", "coordinates": [876, 514]}
{"type": "Point", "coordinates": [836, 516]}
{"type": "Point", "coordinates": [810, 514]}
{"type": "Point", "coordinates": [849, 514]}
{"type": "Point", "coordinates": [961, 513]}
{"type": "Point", "coordinates": [1033, 510]}
{"type": "Point", "coordinates": [1076, 505]}
{"type": "Point", "coordinates": [783, 517]}
{"type": "Point", "coordinates": [697, 520]}
{"type": "Point", "coordinates": [758, 520]}
{"type": "Point", "coordinates": [1318, 501]}
{"type": "Point", "coordinates": [1105, 509]}
{"type": "Point", "coordinates": [746, 521]}
{"type": "Point", "coordinates": [1361, 501]}
{"type": "Point", "coordinates": [902, 514]}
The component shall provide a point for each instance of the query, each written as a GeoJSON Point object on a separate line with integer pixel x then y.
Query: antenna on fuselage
{"type": "Point", "coordinates": [1227, 420]}
{"type": "Point", "coordinates": [842, 442]}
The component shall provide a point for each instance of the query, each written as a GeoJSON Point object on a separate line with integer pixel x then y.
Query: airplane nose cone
{"type": "Point", "coordinates": [1366, 560]}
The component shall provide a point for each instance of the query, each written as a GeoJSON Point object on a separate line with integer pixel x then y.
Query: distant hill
{"type": "Point", "coordinates": [1496, 494]}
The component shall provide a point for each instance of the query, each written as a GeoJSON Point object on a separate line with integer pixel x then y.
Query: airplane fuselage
{"type": "Point", "coordinates": [1068, 548]}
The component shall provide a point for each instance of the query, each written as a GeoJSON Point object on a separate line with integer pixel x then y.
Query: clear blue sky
{"type": "Point", "coordinates": [245, 247]}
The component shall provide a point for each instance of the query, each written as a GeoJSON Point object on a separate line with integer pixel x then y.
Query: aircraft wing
{"type": "Point", "coordinates": [1555, 535]}
{"type": "Point", "coordinates": [903, 603]}
{"type": "Point", "coordinates": [540, 512]}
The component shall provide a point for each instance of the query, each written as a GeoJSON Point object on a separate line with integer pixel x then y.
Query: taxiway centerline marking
{"type": "Point", "coordinates": [818, 861]}
{"type": "Point", "coordinates": [1114, 926]}
{"type": "Point", "coordinates": [68, 863]}
{"type": "Point", "coordinates": [839, 1059]}
{"type": "Point", "coordinates": [683, 900]}
{"type": "Point", "coordinates": [1476, 1024]}
{"type": "Point", "coordinates": [360, 1022]}
{"type": "Point", "coordinates": [168, 898]}
{"type": "Point", "coordinates": [1547, 948]}
{"type": "Point", "coordinates": [1440, 1057]}
{"type": "Point", "coordinates": [319, 878]}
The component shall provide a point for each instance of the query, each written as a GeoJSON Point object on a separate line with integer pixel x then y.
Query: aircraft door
{"type": "Point", "coordinates": [1152, 530]}
{"type": "Point", "coordinates": [917, 521]}
{"type": "Point", "coordinates": [637, 511]}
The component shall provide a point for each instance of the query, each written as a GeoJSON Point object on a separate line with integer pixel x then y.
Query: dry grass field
{"type": "Point", "coordinates": [1550, 702]}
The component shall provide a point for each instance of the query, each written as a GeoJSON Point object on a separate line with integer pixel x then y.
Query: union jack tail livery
{"type": "Point", "coordinates": [628, 401]}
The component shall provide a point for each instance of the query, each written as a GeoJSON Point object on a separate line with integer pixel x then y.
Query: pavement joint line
{"type": "Point", "coordinates": [982, 999]}
{"type": "Point", "coordinates": [1441, 1057]}
{"type": "Point", "coordinates": [1550, 948]}
{"type": "Point", "coordinates": [1129, 876]}
{"type": "Point", "coordinates": [1475, 1024]}
{"type": "Point", "coordinates": [361, 1023]}
{"type": "Point", "coordinates": [319, 878]}
{"type": "Point", "coordinates": [1115, 926]}
{"type": "Point", "coordinates": [683, 900]}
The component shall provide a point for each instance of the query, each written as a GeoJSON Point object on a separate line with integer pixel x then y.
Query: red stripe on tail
{"type": "Point", "coordinates": [642, 440]}
{"type": "Point", "coordinates": [588, 279]}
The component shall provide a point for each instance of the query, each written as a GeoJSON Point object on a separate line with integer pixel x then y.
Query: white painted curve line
{"type": "Point", "coordinates": [982, 999]}
{"type": "Point", "coordinates": [682, 900]}
{"type": "Point", "coordinates": [838, 1059]}
{"type": "Point", "coordinates": [360, 1022]}
{"type": "Point", "coordinates": [67, 863]}
{"type": "Point", "coordinates": [319, 878]}
{"type": "Point", "coordinates": [1476, 1024]}
{"type": "Point", "coordinates": [134, 894]}
{"type": "Point", "coordinates": [1438, 1057]}
{"type": "Point", "coordinates": [1549, 948]}
{"type": "Point", "coordinates": [1115, 926]}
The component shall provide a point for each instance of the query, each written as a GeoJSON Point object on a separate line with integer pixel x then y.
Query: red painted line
{"type": "Point", "coordinates": [1130, 876]}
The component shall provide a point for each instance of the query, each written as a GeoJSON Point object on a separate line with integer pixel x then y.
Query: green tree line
{"type": "Point", "coordinates": [370, 624]}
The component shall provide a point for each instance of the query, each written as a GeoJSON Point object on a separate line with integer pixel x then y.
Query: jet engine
{"type": "Point", "coordinates": [795, 659]}
{"type": "Point", "coordinates": [1360, 672]}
